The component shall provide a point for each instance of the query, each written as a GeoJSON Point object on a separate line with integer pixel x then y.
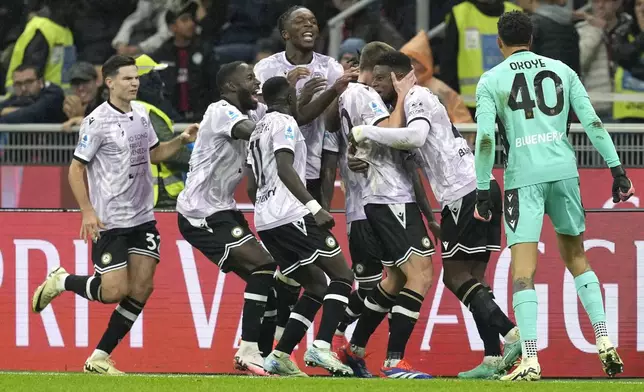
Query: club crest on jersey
{"type": "Point", "coordinates": [330, 242]}
{"type": "Point", "coordinates": [289, 134]}
{"type": "Point", "coordinates": [359, 268]}
{"type": "Point", "coordinates": [376, 109]}
{"type": "Point", "coordinates": [144, 122]}
{"type": "Point", "coordinates": [237, 232]}
{"type": "Point", "coordinates": [232, 115]}
{"type": "Point", "coordinates": [106, 258]}
{"type": "Point", "coordinates": [426, 242]}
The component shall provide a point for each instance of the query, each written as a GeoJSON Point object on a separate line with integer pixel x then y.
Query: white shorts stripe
{"type": "Point", "coordinates": [477, 249]}
{"type": "Point", "coordinates": [312, 259]}
{"type": "Point", "coordinates": [337, 297]}
{"type": "Point", "coordinates": [366, 279]}
{"type": "Point", "coordinates": [410, 251]}
{"type": "Point", "coordinates": [143, 252]}
{"type": "Point", "coordinates": [404, 311]}
{"type": "Point", "coordinates": [111, 268]}
{"type": "Point", "coordinates": [255, 297]}
{"type": "Point", "coordinates": [295, 316]}
{"type": "Point", "coordinates": [232, 245]}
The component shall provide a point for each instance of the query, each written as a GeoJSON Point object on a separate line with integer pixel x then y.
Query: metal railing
{"type": "Point", "coordinates": [46, 144]}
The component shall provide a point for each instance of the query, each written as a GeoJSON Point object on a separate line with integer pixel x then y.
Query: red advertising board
{"type": "Point", "coordinates": [192, 321]}
{"type": "Point", "coordinates": [47, 187]}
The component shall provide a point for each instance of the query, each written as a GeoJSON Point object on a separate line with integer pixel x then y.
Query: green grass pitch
{"type": "Point", "coordinates": [64, 382]}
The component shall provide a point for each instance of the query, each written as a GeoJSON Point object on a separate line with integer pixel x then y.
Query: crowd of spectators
{"type": "Point", "coordinates": [58, 80]}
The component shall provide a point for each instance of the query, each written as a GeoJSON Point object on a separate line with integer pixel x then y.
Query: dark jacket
{"type": "Point", "coordinates": [627, 53]}
{"type": "Point", "coordinates": [201, 76]}
{"type": "Point", "coordinates": [46, 108]}
{"type": "Point", "coordinates": [555, 36]}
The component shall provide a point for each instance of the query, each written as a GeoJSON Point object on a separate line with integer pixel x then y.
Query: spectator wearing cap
{"type": "Point", "coordinates": [350, 52]}
{"type": "Point", "coordinates": [33, 101]}
{"type": "Point", "coordinates": [85, 95]}
{"type": "Point", "coordinates": [187, 80]}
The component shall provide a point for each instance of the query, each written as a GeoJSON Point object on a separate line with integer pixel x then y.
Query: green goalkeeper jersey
{"type": "Point", "coordinates": [532, 96]}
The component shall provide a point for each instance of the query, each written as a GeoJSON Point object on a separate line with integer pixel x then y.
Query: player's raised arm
{"type": "Point", "coordinates": [163, 151]}
{"type": "Point", "coordinates": [622, 187]}
{"type": "Point", "coordinates": [312, 110]}
{"type": "Point", "coordinates": [485, 140]}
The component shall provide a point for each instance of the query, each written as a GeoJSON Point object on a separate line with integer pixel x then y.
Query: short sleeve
{"type": "Point", "coordinates": [418, 105]}
{"type": "Point", "coordinates": [153, 139]}
{"type": "Point", "coordinates": [334, 72]}
{"type": "Point", "coordinates": [484, 100]}
{"type": "Point", "coordinates": [331, 142]}
{"type": "Point", "coordinates": [223, 119]}
{"type": "Point", "coordinates": [372, 108]}
{"type": "Point", "coordinates": [262, 72]}
{"type": "Point", "coordinates": [90, 139]}
{"type": "Point", "coordinates": [285, 135]}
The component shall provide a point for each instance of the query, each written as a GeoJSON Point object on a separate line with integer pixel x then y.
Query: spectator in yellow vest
{"type": "Point", "coordinates": [47, 44]}
{"type": "Point", "coordinates": [470, 47]}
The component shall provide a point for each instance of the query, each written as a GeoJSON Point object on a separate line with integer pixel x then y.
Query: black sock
{"type": "Point", "coordinates": [376, 307]}
{"type": "Point", "coordinates": [353, 310]}
{"type": "Point", "coordinates": [490, 338]}
{"type": "Point", "coordinates": [333, 308]}
{"type": "Point", "coordinates": [267, 334]}
{"type": "Point", "coordinates": [88, 287]}
{"type": "Point", "coordinates": [299, 322]}
{"type": "Point", "coordinates": [123, 317]}
{"type": "Point", "coordinates": [287, 296]}
{"type": "Point", "coordinates": [258, 285]}
{"type": "Point", "coordinates": [479, 300]}
{"type": "Point", "coordinates": [404, 315]}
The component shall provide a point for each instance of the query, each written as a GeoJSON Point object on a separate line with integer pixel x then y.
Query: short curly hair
{"type": "Point", "coordinates": [281, 22]}
{"type": "Point", "coordinates": [515, 28]}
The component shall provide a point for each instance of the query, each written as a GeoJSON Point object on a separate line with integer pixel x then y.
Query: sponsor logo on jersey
{"type": "Point", "coordinates": [106, 258]}
{"type": "Point", "coordinates": [263, 198]}
{"type": "Point", "coordinates": [540, 138]}
{"type": "Point", "coordinates": [289, 134]}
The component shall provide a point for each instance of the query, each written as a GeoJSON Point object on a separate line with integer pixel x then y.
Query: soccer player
{"type": "Point", "coordinates": [295, 230]}
{"type": "Point", "coordinates": [359, 104]}
{"type": "Point", "coordinates": [208, 216]}
{"type": "Point", "coordinates": [532, 96]}
{"type": "Point", "coordinates": [448, 163]}
{"type": "Point", "coordinates": [116, 146]}
{"type": "Point", "coordinates": [311, 73]}
{"type": "Point", "coordinates": [389, 202]}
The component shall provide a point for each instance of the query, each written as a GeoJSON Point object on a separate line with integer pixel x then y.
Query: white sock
{"type": "Point", "coordinates": [391, 362]}
{"type": "Point", "coordinates": [248, 346]}
{"type": "Point", "coordinates": [322, 344]}
{"type": "Point", "coordinates": [99, 354]}
{"type": "Point", "coordinates": [279, 331]}
{"type": "Point", "coordinates": [512, 336]}
{"type": "Point", "coordinates": [338, 333]}
{"type": "Point", "coordinates": [60, 282]}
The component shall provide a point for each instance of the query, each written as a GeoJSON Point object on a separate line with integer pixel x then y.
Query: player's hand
{"type": "Point", "coordinates": [296, 74]}
{"type": "Point", "coordinates": [189, 135]}
{"type": "Point", "coordinates": [324, 220]}
{"type": "Point", "coordinates": [435, 228]}
{"type": "Point", "coordinates": [90, 226]}
{"type": "Point", "coordinates": [482, 209]}
{"type": "Point", "coordinates": [623, 188]}
{"type": "Point", "coordinates": [405, 84]}
{"type": "Point", "coordinates": [350, 75]}
{"type": "Point", "coordinates": [312, 87]}
{"type": "Point", "coordinates": [357, 165]}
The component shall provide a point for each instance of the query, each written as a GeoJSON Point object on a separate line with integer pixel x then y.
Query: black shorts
{"type": "Point", "coordinates": [110, 252]}
{"type": "Point", "coordinates": [464, 237]}
{"type": "Point", "coordinates": [401, 231]}
{"type": "Point", "coordinates": [315, 189]}
{"type": "Point", "coordinates": [216, 235]}
{"type": "Point", "coordinates": [298, 244]}
{"type": "Point", "coordinates": [366, 252]}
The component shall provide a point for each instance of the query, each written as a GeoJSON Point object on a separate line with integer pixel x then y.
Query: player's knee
{"type": "Point", "coordinates": [142, 290]}
{"type": "Point", "coordinates": [316, 287]}
{"type": "Point", "coordinates": [419, 270]}
{"type": "Point", "coordinates": [113, 293]}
